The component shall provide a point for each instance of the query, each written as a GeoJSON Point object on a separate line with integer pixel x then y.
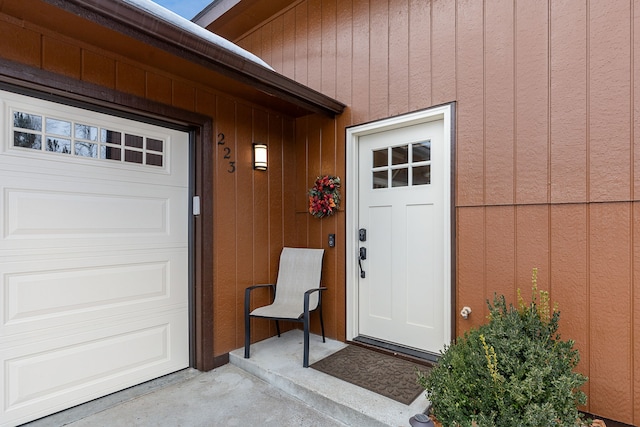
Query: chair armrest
{"type": "Point", "coordinates": [308, 293]}
{"type": "Point", "coordinates": [247, 294]}
{"type": "Point", "coordinates": [250, 288]}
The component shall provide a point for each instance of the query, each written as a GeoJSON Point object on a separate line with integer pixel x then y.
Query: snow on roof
{"type": "Point", "coordinates": [180, 22]}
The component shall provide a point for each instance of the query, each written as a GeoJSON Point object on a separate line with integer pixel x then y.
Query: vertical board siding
{"type": "Point", "coordinates": [470, 237]}
{"type": "Point", "coordinates": [314, 44]}
{"type": "Point", "coordinates": [635, 96]}
{"type": "Point", "coordinates": [379, 59]}
{"type": "Point", "coordinates": [569, 271]}
{"type": "Point", "coordinates": [470, 100]}
{"type": "Point", "coordinates": [532, 246]}
{"type": "Point", "coordinates": [546, 126]}
{"type": "Point", "coordinates": [532, 102]}
{"type": "Point", "coordinates": [568, 102]}
{"type": "Point", "coordinates": [329, 48]}
{"type": "Point", "coordinates": [398, 57]}
{"type": "Point", "coordinates": [344, 53]}
{"type": "Point", "coordinates": [635, 291]}
{"type": "Point", "coordinates": [360, 83]}
{"type": "Point", "coordinates": [610, 301]}
{"type": "Point", "coordinates": [609, 101]}
{"type": "Point", "coordinates": [499, 102]}
{"type": "Point", "coordinates": [226, 225]}
{"type": "Point", "coordinates": [442, 38]}
{"type": "Point", "coordinates": [419, 61]}
{"type": "Point", "coordinates": [500, 251]}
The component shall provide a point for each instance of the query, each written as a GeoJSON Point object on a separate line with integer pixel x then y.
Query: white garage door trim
{"type": "Point", "coordinates": [94, 255]}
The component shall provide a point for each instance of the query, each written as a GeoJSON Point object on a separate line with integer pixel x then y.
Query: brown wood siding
{"type": "Point", "coordinates": [547, 148]}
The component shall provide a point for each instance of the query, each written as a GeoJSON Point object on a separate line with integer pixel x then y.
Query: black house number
{"type": "Point", "coordinates": [227, 153]}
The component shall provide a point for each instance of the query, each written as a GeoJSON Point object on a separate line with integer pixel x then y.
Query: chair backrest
{"type": "Point", "coordinates": [300, 270]}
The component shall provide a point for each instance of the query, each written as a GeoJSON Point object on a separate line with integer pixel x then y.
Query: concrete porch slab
{"type": "Point", "coordinates": [278, 361]}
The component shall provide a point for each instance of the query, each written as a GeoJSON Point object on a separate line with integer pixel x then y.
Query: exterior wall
{"type": "Point", "coordinates": [253, 218]}
{"type": "Point", "coordinates": [547, 147]}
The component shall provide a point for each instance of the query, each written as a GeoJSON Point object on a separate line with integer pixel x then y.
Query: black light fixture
{"type": "Point", "coordinates": [260, 156]}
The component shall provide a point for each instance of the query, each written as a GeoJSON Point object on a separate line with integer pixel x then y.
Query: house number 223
{"type": "Point", "coordinates": [227, 153]}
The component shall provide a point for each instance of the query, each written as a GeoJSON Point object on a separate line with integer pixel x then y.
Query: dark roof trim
{"type": "Point", "coordinates": [149, 29]}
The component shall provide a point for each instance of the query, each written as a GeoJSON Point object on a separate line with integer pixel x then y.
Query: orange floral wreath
{"type": "Point", "coordinates": [324, 196]}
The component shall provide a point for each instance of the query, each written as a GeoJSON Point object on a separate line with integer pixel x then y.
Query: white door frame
{"type": "Point", "coordinates": [443, 112]}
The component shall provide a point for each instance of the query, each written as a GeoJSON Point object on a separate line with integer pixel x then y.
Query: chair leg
{"type": "Point", "coordinates": [247, 325]}
{"type": "Point", "coordinates": [322, 324]}
{"type": "Point", "coordinates": [305, 357]}
{"type": "Point", "coordinates": [278, 328]}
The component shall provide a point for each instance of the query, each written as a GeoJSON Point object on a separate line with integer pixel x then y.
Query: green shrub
{"type": "Point", "coordinates": [512, 371]}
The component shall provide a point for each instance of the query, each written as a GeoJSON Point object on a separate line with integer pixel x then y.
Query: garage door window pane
{"type": "Point", "coordinates": [110, 153]}
{"type": "Point", "coordinates": [110, 136]}
{"type": "Point", "coordinates": [59, 145]}
{"type": "Point", "coordinates": [133, 141]}
{"type": "Point", "coordinates": [86, 149]}
{"type": "Point", "coordinates": [27, 140]}
{"type": "Point", "coordinates": [154, 159]}
{"type": "Point", "coordinates": [58, 127]}
{"type": "Point", "coordinates": [27, 121]}
{"type": "Point", "coordinates": [90, 133]}
{"type": "Point", "coordinates": [132, 156]}
{"type": "Point", "coordinates": [154, 144]}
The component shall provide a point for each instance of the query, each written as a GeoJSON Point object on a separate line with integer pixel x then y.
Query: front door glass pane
{"type": "Point", "coordinates": [421, 175]}
{"type": "Point", "coordinates": [400, 177]}
{"type": "Point", "coordinates": [422, 152]}
{"type": "Point", "coordinates": [380, 179]}
{"type": "Point", "coordinates": [400, 155]}
{"type": "Point", "coordinates": [380, 158]}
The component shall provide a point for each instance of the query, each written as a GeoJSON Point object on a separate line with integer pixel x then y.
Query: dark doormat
{"type": "Point", "coordinates": [389, 376]}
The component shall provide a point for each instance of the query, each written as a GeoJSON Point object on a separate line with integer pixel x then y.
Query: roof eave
{"type": "Point", "coordinates": [148, 28]}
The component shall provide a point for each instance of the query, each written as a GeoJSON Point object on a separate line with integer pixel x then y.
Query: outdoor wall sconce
{"type": "Point", "coordinates": [260, 156]}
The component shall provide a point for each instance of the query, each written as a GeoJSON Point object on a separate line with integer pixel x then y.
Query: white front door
{"type": "Point", "coordinates": [93, 255]}
{"type": "Point", "coordinates": [403, 197]}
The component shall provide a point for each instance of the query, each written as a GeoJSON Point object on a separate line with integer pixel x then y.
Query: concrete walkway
{"type": "Point", "coordinates": [269, 389]}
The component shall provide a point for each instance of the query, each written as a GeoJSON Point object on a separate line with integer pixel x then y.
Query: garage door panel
{"type": "Point", "coordinates": [74, 369]}
{"type": "Point", "coordinates": [49, 293]}
{"type": "Point", "coordinates": [90, 215]}
{"type": "Point", "coordinates": [52, 214]}
{"type": "Point", "coordinates": [94, 255]}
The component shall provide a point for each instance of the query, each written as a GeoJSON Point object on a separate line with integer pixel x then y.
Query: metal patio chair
{"type": "Point", "coordinates": [297, 293]}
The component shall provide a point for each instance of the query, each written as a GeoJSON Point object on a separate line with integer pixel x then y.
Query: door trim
{"type": "Point", "coordinates": [444, 112]}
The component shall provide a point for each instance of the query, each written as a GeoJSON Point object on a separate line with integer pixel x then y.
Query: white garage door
{"type": "Point", "coordinates": [93, 255]}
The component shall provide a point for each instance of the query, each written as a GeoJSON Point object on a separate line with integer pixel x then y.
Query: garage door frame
{"type": "Point", "coordinates": [44, 85]}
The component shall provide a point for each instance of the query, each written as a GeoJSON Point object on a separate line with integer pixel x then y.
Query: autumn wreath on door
{"type": "Point", "coordinates": [324, 196]}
